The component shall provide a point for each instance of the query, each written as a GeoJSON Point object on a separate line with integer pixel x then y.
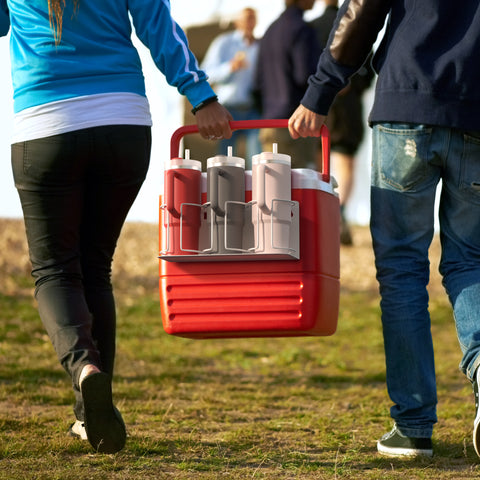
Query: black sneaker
{"type": "Point", "coordinates": [395, 444]}
{"type": "Point", "coordinates": [476, 422]}
{"type": "Point", "coordinates": [103, 423]}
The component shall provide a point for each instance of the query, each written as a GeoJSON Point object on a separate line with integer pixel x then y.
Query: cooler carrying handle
{"type": "Point", "coordinates": [252, 124]}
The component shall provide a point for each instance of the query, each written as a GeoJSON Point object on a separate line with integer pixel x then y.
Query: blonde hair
{"type": "Point", "coordinates": [55, 14]}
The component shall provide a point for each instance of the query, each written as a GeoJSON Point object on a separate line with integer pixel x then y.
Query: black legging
{"type": "Point", "coordinates": [76, 190]}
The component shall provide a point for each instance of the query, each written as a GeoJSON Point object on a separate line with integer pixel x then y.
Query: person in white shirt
{"type": "Point", "coordinates": [230, 63]}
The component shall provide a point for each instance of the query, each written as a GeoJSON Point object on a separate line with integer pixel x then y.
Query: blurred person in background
{"type": "Point", "coordinates": [80, 153]}
{"type": "Point", "coordinates": [426, 129]}
{"type": "Point", "coordinates": [230, 64]}
{"type": "Point", "coordinates": [288, 56]}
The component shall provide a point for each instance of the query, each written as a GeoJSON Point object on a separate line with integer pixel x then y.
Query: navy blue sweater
{"type": "Point", "coordinates": [288, 55]}
{"type": "Point", "coordinates": [427, 62]}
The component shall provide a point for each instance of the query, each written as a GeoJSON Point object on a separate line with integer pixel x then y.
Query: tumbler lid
{"type": "Point", "coordinates": [226, 160]}
{"type": "Point", "coordinates": [272, 157]}
{"type": "Point", "coordinates": [186, 162]}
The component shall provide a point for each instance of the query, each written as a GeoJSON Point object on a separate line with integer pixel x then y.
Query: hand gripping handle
{"type": "Point", "coordinates": [251, 124]}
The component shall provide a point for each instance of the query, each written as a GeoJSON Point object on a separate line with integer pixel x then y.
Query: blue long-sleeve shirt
{"type": "Point", "coordinates": [427, 65]}
{"type": "Point", "coordinates": [96, 54]}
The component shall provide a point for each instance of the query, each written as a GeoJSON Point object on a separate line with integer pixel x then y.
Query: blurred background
{"type": "Point", "coordinates": [202, 21]}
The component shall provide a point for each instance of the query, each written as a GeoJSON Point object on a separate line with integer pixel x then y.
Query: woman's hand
{"type": "Point", "coordinates": [213, 121]}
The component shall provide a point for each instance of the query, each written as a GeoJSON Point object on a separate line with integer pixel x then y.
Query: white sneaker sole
{"type": "Point", "coordinates": [402, 452]}
{"type": "Point", "coordinates": [476, 434]}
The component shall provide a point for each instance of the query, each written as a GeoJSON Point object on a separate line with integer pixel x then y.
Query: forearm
{"type": "Point", "coordinates": [169, 49]}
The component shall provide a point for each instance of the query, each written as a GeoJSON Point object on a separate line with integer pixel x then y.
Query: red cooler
{"type": "Point", "coordinates": [268, 295]}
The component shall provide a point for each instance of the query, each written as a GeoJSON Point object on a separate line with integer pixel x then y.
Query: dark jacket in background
{"type": "Point", "coordinates": [324, 23]}
{"type": "Point", "coordinates": [288, 55]}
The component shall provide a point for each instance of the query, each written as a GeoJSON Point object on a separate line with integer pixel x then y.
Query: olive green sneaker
{"type": "Point", "coordinates": [395, 444]}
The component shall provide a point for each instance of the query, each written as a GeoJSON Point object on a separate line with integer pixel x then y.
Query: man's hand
{"type": "Point", "coordinates": [238, 62]}
{"type": "Point", "coordinates": [305, 123]}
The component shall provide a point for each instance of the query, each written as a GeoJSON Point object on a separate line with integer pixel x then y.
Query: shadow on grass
{"type": "Point", "coordinates": [226, 456]}
{"type": "Point", "coordinates": [221, 377]}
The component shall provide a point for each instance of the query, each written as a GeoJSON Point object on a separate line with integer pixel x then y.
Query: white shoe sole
{"type": "Point", "coordinates": [402, 452]}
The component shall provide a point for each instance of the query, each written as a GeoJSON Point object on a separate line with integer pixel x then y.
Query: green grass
{"type": "Point", "coordinates": [287, 408]}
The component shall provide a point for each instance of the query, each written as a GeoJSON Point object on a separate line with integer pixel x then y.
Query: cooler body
{"type": "Point", "coordinates": [268, 297]}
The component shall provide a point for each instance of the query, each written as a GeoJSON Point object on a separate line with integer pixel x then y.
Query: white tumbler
{"type": "Point", "coordinates": [271, 193]}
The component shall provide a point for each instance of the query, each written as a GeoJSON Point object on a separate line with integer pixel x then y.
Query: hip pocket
{"type": "Point", "coordinates": [401, 155]}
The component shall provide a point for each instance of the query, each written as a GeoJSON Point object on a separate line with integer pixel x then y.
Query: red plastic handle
{"type": "Point", "coordinates": [251, 124]}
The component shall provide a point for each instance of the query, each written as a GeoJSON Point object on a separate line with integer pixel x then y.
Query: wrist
{"type": "Point", "coordinates": [204, 103]}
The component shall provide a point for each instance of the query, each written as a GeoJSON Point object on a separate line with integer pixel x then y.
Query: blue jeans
{"type": "Point", "coordinates": [408, 163]}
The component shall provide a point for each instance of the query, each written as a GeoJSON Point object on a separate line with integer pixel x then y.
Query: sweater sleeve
{"type": "Point", "coordinates": [169, 49]}
{"type": "Point", "coordinates": [4, 18]}
{"type": "Point", "coordinates": [351, 40]}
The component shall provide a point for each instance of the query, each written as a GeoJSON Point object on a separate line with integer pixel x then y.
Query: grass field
{"type": "Point", "coordinates": [299, 408]}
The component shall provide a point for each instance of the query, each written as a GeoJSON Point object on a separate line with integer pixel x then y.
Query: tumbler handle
{"type": "Point", "coordinates": [213, 189]}
{"type": "Point", "coordinates": [169, 193]}
{"type": "Point", "coordinates": [261, 187]}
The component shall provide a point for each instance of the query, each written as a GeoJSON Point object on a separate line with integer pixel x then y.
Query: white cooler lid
{"type": "Point", "coordinates": [302, 178]}
{"type": "Point", "coordinates": [306, 178]}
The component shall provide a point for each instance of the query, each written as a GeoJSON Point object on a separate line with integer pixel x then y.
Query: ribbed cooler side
{"type": "Point", "coordinates": [257, 305]}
